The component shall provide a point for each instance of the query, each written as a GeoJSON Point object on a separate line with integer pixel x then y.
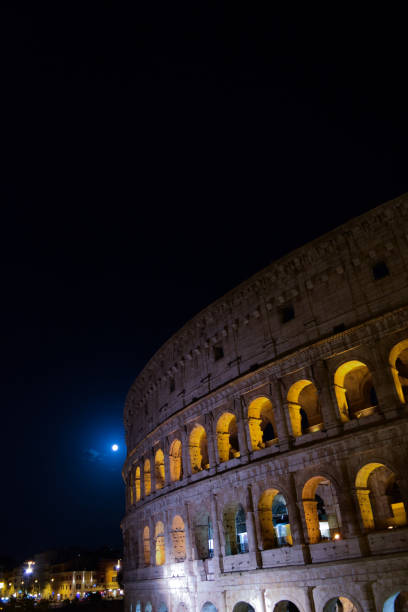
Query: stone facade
{"type": "Point", "coordinates": [267, 456]}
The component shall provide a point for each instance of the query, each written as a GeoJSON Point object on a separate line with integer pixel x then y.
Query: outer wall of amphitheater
{"type": "Point", "coordinates": [267, 439]}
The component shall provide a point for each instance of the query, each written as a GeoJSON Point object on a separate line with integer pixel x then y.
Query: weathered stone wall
{"type": "Point", "coordinates": [350, 456]}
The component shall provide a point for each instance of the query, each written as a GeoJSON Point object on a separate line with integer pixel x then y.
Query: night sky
{"type": "Point", "coordinates": [152, 159]}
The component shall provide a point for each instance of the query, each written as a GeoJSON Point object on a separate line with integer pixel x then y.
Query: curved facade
{"type": "Point", "coordinates": [267, 439]}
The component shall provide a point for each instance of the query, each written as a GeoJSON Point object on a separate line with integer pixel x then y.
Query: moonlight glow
{"type": "Point", "coordinates": [115, 447]}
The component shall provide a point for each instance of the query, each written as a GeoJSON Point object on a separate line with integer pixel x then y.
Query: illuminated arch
{"type": "Point", "coordinates": [261, 422]}
{"type": "Point", "coordinates": [304, 409]}
{"type": "Point", "coordinates": [198, 449]}
{"type": "Point", "coordinates": [159, 469]}
{"type": "Point", "coordinates": [137, 483]}
{"type": "Point", "coordinates": [178, 539]}
{"type": "Point", "coordinates": [146, 545]}
{"type": "Point", "coordinates": [227, 437]}
{"type": "Point", "coordinates": [321, 509]}
{"type": "Point", "coordinates": [354, 390]}
{"type": "Point", "coordinates": [159, 539]}
{"type": "Point", "coordinates": [379, 497]}
{"type": "Point", "coordinates": [147, 478]}
{"type": "Point", "coordinates": [176, 466]}
{"type": "Point", "coordinates": [274, 520]}
{"type": "Point", "coordinates": [341, 604]}
{"type": "Point", "coordinates": [235, 531]}
{"type": "Point", "coordinates": [398, 361]}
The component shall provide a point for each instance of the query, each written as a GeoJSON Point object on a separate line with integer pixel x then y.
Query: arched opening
{"type": "Point", "coordinates": [322, 511]}
{"type": "Point", "coordinates": [178, 539]}
{"type": "Point", "coordinates": [137, 483]}
{"type": "Point", "coordinates": [397, 602]}
{"type": "Point", "coordinates": [138, 607]}
{"type": "Point", "coordinates": [227, 437]}
{"type": "Point", "coordinates": [285, 606]}
{"type": "Point", "coordinates": [176, 466]}
{"type": "Point", "coordinates": [398, 361]}
{"type": "Point", "coordinates": [147, 477]}
{"type": "Point", "coordinates": [208, 607]}
{"type": "Point", "coordinates": [243, 606]}
{"type": "Point", "coordinates": [379, 497]}
{"type": "Point", "coordinates": [148, 607]}
{"type": "Point", "coordinates": [146, 545]}
{"type": "Point", "coordinates": [198, 449]}
{"type": "Point", "coordinates": [203, 535]}
{"type": "Point", "coordinates": [340, 604]}
{"type": "Point", "coordinates": [162, 607]}
{"type": "Point", "coordinates": [355, 392]}
{"type": "Point", "coordinates": [159, 538]}
{"type": "Point", "coordinates": [274, 520]}
{"type": "Point", "coordinates": [261, 422]}
{"type": "Point", "coordinates": [304, 409]}
{"type": "Point", "coordinates": [235, 531]}
{"type": "Point", "coordinates": [159, 469]}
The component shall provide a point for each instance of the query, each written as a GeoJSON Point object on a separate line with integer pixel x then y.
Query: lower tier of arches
{"type": "Point", "coordinates": [364, 585]}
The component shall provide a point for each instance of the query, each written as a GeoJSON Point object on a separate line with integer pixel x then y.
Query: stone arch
{"type": "Point", "coordinates": [203, 535]}
{"type": "Point", "coordinates": [379, 497]}
{"type": "Point", "coordinates": [147, 477]}
{"type": "Point", "coordinates": [304, 408]}
{"type": "Point", "coordinates": [138, 607]}
{"type": "Point", "coordinates": [243, 606]}
{"type": "Point", "coordinates": [321, 509]}
{"type": "Point", "coordinates": [235, 531]}
{"type": "Point", "coordinates": [159, 539]}
{"type": "Point", "coordinates": [274, 519]}
{"type": "Point", "coordinates": [176, 465]}
{"type": "Point", "coordinates": [198, 449]}
{"type": "Point", "coordinates": [159, 472]}
{"type": "Point", "coordinates": [137, 483]}
{"type": "Point", "coordinates": [285, 605]}
{"type": "Point", "coordinates": [208, 607]}
{"type": "Point", "coordinates": [146, 545]}
{"type": "Point", "coordinates": [178, 539]}
{"type": "Point", "coordinates": [148, 607]}
{"type": "Point", "coordinates": [227, 437]}
{"type": "Point", "coordinates": [261, 423]}
{"type": "Point", "coordinates": [355, 392]}
{"type": "Point", "coordinates": [397, 602]}
{"type": "Point", "coordinates": [341, 604]}
{"type": "Point", "coordinates": [398, 360]}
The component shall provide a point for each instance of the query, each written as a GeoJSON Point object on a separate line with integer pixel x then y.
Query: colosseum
{"type": "Point", "coordinates": [267, 439]}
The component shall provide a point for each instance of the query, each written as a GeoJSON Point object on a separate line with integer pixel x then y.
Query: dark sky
{"type": "Point", "coordinates": [153, 159]}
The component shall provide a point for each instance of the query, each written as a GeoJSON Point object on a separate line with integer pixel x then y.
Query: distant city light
{"type": "Point", "coordinates": [115, 447]}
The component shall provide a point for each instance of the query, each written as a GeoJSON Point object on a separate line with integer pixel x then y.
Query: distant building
{"type": "Point", "coordinates": [267, 439]}
{"type": "Point", "coordinates": [60, 575]}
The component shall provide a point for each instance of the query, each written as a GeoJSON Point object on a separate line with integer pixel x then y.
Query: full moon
{"type": "Point", "coordinates": [115, 447]}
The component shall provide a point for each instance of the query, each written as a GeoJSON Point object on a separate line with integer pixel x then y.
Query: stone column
{"type": "Point", "coordinates": [166, 449]}
{"type": "Point", "coordinates": [191, 552]}
{"type": "Point", "coordinates": [295, 520]}
{"type": "Point", "coordinates": [185, 453]}
{"type": "Point", "coordinates": [168, 541]}
{"type": "Point", "coordinates": [312, 520]}
{"type": "Point", "coordinates": [349, 510]}
{"type": "Point", "coordinates": [218, 533]}
{"type": "Point", "coordinates": [383, 381]}
{"type": "Point", "coordinates": [255, 502]}
{"type": "Point", "coordinates": [152, 471]}
{"type": "Point", "coordinates": [209, 427]}
{"type": "Point", "coordinates": [242, 441]}
{"type": "Point", "coordinates": [152, 542]}
{"type": "Point", "coordinates": [280, 420]}
{"type": "Point", "coordinates": [327, 398]}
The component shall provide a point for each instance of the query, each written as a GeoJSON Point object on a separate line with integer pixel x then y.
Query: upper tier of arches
{"type": "Point", "coordinates": [274, 417]}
